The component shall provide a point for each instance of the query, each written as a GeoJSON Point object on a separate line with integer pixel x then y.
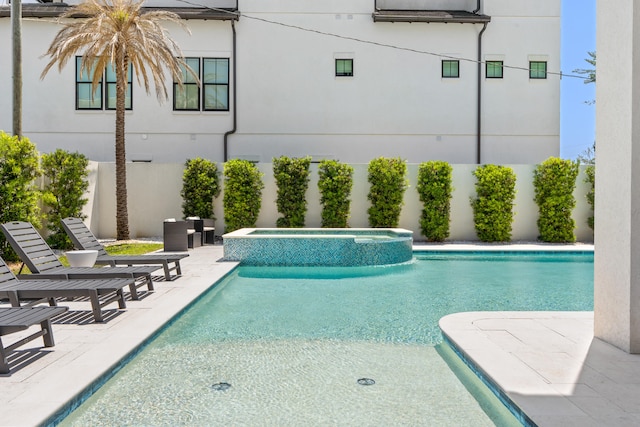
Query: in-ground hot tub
{"type": "Point", "coordinates": [343, 247]}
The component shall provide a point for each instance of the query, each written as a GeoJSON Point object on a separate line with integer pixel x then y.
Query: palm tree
{"type": "Point", "coordinates": [117, 33]}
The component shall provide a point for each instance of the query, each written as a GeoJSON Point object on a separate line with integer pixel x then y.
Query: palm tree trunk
{"type": "Point", "coordinates": [122, 215]}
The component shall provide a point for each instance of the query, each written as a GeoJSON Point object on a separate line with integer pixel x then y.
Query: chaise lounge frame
{"type": "Point", "coordinates": [83, 238]}
{"type": "Point", "coordinates": [15, 319]}
{"type": "Point", "coordinates": [44, 264]}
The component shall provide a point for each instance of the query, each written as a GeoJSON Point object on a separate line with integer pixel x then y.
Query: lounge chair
{"type": "Point", "coordinates": [99, 291]}
{"type": "Point", "coordinates": [83, 238]}
{"type": "Point", "coordinates": [15, 319]}
{"type": "Point", "coordinates": [44, 264]}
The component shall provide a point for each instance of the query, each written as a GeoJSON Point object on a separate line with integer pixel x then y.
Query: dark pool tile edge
{"type": "Point", "coordinates": [517, 412]}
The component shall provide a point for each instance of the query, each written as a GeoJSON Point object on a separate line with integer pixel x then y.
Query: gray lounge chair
{"type": "Point", "coordinates": [15, 319]}
{"type": "Point", "coordinates": [100, 292]}
{"type": "Point", "coordinates": [83, 238]}
{"type": "Point", "coordinates": [44, 264]}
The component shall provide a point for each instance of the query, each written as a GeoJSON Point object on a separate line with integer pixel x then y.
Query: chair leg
{"type": "Point", "coordinates": [4, 364]}
{"type": "Point", "coordinates": [95, 306]}
{"type": "Point", "coordinates": [47, 336]}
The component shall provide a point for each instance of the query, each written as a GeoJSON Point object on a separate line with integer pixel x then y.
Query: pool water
{"type": "Point", "coordinates": [287, 345]}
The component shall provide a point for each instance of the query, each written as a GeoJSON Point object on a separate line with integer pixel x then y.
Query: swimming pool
{"type": "Point", "coordinates": [292, 343]}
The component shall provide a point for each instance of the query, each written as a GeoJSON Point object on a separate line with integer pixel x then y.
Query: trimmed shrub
{"type": "Point", "coordinates": [335, 183]}
{"type": "Point", "coordinates": [493, 205]}
{"type": "Point", "coordinates": [591, 194]}
{"type": "Point", "coordinates": [200, 185]}
{"type": "Point", "coordinates": [388, 182]}
{"type": "Point", "coordinates": [434, 188]}
{"type": "Point", "coordinates": [63, 193]}
{"type": "Point", "coordinates": [554, 181]}
{"type": "Point", "coordinates": [242, 194]}
{"type": "Point", "coordinates": [292, 179]}
{"type": "Point", "coordinates": [18, 196]}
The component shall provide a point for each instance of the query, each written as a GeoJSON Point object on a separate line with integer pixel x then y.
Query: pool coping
{"type": "Point", "coordinates": [84, 353]}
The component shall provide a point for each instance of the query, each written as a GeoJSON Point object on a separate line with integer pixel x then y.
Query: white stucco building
{"type": "Point", "coordinates": [343, 79]}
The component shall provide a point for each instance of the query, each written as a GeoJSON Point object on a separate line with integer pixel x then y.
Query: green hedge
{"type": "Point", "coordinates": [435, 188]}
{"type": "Point", "coordinates": [554, 181]}
{"type": "Point", "coordinates": [200, 185]}
{"type": "Point", "coordinates": [591, 194]}
{"type": "Point", "coordinates": [292, 179]}
{"type": "Point", "coordinates": [64, 192]}
{"type": "Point", "coordinates": [18, 196]}
{"type": "Point", "coordinates": [242, 194]}
{"type": "Point", "coordinates": [388, 182]}
{"type": "Point", "coordinates": [335, 183]}
{"type": "Point", "coordinates": [493, 205]}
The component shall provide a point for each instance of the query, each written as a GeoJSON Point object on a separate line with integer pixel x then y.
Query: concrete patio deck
{"type": "Point", "coordinates": [547, 362]}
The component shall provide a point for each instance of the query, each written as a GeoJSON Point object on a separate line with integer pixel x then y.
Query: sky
{"type": "Point", "coordinates": [577, 119]}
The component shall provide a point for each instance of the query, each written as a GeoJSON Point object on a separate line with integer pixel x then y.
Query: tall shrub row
{"type": "Point", "coordinates": [335, 181]}
{"type": "Point", "coordinates": [387, 183]}
{"type": "Point", "coordinates": [590, 171]}
{"type": "Point", "coordinates": [292, 179]}
{"type": "Point", "coordinates": [18, 197]}
{"type": "Point", "coordinates": [200, 185]}
{"type": "Point", "coordinates": [493, 205]}
{"type": "Point", "coordinates": [242, 194]}
{"type": "Point", "coordinates": [63, 196]}
{"type": "Point", "coordinates": [435, 188]}
{"type": "Point", "coordinates": [554, 181]}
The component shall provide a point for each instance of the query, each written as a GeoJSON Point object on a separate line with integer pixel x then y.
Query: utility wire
{"type": "Point", "coordinates": [370, 42]}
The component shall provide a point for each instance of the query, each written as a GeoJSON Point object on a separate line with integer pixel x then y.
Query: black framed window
{"type": "Point", "coordinates": [450, 69]}
{"type": "Point", "coordinates": [110, 89]}
{"type": "Point", "coordinates": [187, 97]}
{"type": "Point", "coordinates": [87, 99]}
{"type": "Point", "coordinates": [344, 67]}
{"type": "Point", "coordinates": [215, 84]}
{"type": "Point", "coordinates": [213, 74]}
{"type": "Point", "coordinates": [494, 69]}
{"type": "Point", "coordinates": [537, 69]}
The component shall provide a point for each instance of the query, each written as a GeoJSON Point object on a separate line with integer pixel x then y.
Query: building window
{"type": "Point", "coordinates": [214, 75]}
{"type": "Point", "coordinates": [450, 69]}
{"type": "Point", "coordinates": [494, 69]}
{"type": "Point", "coordinates": [86, 99]}
{"type": "Point", "coordinates": [215, 84]}
{"type": "Point", "coordinates": [344, 67]}
{"type": "Point", "coordinates": [537, 69]}
{"type": "Point", "coordinates": [110, 89]}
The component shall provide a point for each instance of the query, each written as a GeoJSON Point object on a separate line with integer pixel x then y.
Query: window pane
{"type": "Point", "coordinates": [110, 96]}
{"type": "Point", "coordinates": [194, 64]}
{"type": "Point", "coordinates": [344, 67]}
{"type": "Point", "coordinates": [216, 97]}
{"type": "Point", "coordinates": [494, 69]}
{"type": "Point", "coordinates": [215, 70]}
{"type": "Point", "coordinates": [450, 69]}
{"type": "Point", "coordinates": [187, 97]}
{"type": "Point", "coordinates": [538, 70]}
{"type": "Point", "coordinates": [83, 75]}
{"type": "Point", "coordinates": [84, 100]}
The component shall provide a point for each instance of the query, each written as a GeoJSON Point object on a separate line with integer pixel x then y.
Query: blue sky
{"type": "Point", "coordinates": [577, 119]}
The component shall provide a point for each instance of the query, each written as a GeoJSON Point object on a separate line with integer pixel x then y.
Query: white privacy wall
{"type": "Point", "coordinates": [154, 194]}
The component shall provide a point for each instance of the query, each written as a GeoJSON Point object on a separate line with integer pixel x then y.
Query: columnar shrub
{"type": "Point", "coordinates": [292, 180]}
{"type": "Point", "coordinates": [554, 181]}
{"type": "Point", "coordinates": [200, 185]}
{"type": "Point", "coordinates": [434, 188]}
{"type": "Point", "coordinates": [335, 183]}
{"type": "Point", "coordinates": [66, 183]}
{"type": "Point", "coordinates": [242, 194]}
{"type": "Point", "coordinates": [591, 194]}
{"type": "Point", "coordinates": [18, 196]}
{"type": "Point", "coordinates": [388, 182]}
{"type": "Point", "coordinates": [493, 205]}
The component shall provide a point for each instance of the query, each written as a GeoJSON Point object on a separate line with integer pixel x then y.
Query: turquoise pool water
{"type": "Point", "coordinates": [292, 343]}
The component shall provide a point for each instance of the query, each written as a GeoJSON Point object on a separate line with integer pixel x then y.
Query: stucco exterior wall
{"type": "Point", "coordinates": [291, 103]}
{"type": "Point", "coordinates": [154, 194]}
